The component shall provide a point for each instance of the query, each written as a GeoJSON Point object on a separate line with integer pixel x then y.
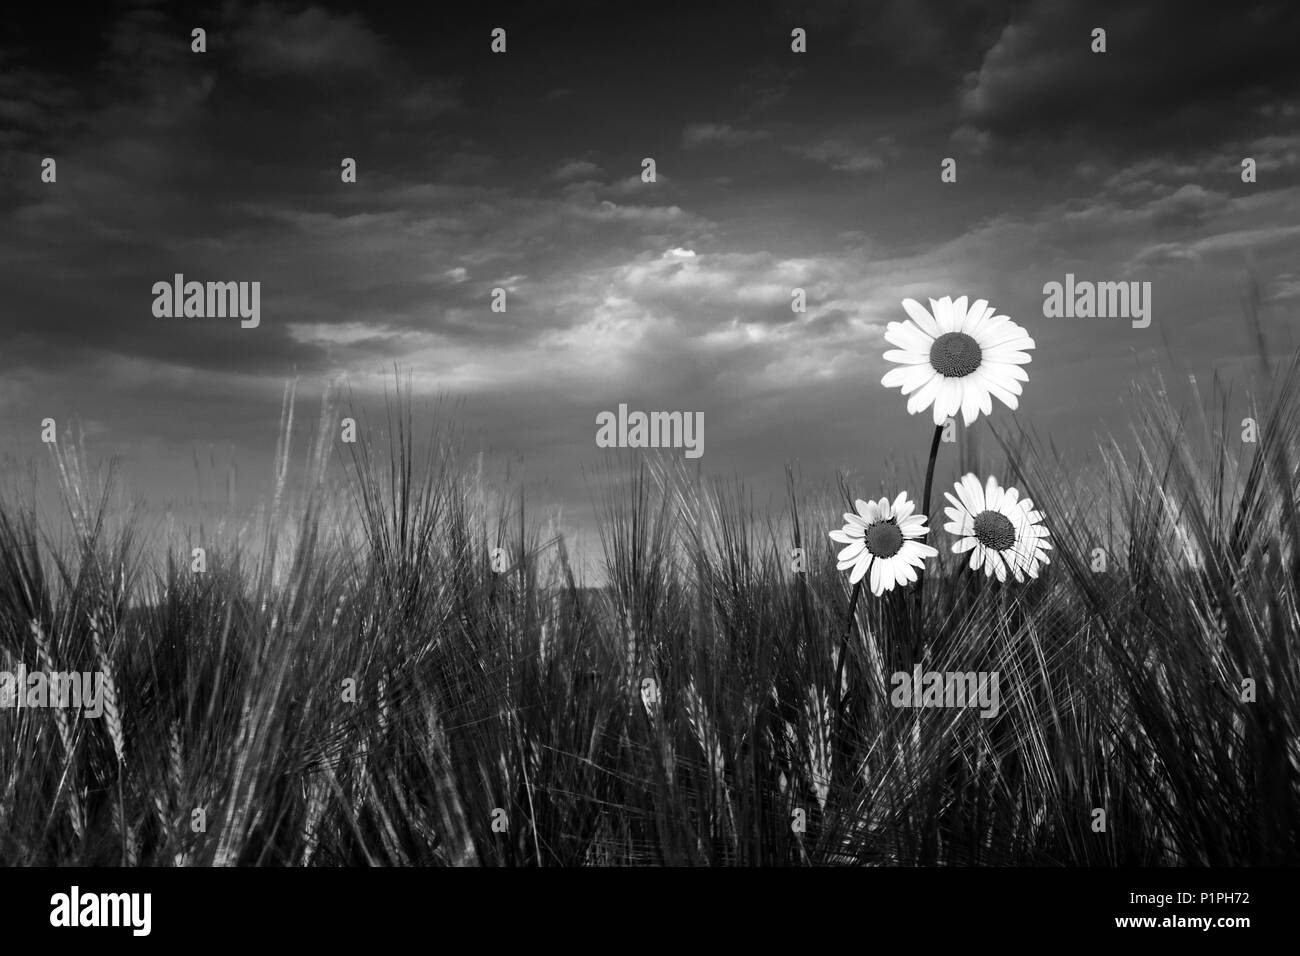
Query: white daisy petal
{"type": "Point", "coordinates": [992, 329]}
{"type": "Point", "coordinates": [904, 357]}
{"type": "Point", "coordinates": [899, 569]}
{"type": "Point", "coordinates": [907, 377]}
{"type": "Point", "coordinates": [958, 313]}
{"type": "Point", "coordinates": [997, 375]}
{"type": "Point", "coordinates": [974, 318]}
{"type": "Point", "coordinates": [947, 401]}
{"type": "Point", "coordinates": [1014, 371]}
{"type": "Point", "coordinates": [1007, 335]}
{"type": "Point", "coordinates": [1005, 356]}
{"type": "Point", "coordinates": [920, 378]}
{"type": "Point", "coordinates": [923, 396]}
{"type": "Point", "coordinates": [908, 337]}
{"type": "Point", "coordinates": [970, 405]}
{"type": "Point", "coordinates": [922, 318]}
{"type": "Point", "coordinates": [859, 570]}
{"type": "Point", "coordinates": [956, 395]}
{"type": "Point", "coordinates": [942, 309]}
{"type": "Point", "coordinates": [999, 392]}
{"type": "Point", "coordinates": [992, 494]}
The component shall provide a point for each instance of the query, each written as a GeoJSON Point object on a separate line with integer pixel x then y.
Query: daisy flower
{"type": "Point", "coordinates": [956, 358]}
{"type": "Point", "coordinates": [882, 538]}
{"type": "Point", "coordinates": [1001, 530]}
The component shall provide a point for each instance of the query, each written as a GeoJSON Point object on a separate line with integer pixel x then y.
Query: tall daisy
{"type": "Point", "coordinates": [1001, 530]}
{"type": "Point", "coordinates": [954, 358]}
{"type": "Point", "coordinates": [883, 538]}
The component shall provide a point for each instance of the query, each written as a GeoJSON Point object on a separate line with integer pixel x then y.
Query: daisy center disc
{"type": "Point", "coordinates": [884, 539]}
{"type": "Point", "coordinates": [994, 530]}
{"type": "Point", "coordinates": [955, 355]}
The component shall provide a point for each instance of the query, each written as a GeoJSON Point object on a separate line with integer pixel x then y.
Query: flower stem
{"type": "Point", "coordinates": [844, 647]}
{"type": "Point", "coordinates": [917, 642]}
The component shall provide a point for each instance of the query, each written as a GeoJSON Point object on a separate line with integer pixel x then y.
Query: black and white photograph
{"type": "Point", "coordinates": [849, 435]}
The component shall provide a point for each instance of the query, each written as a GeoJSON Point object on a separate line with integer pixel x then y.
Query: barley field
{"type": "Point", "coordinates": [374, 683]}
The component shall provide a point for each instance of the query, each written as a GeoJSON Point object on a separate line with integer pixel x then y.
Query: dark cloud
{"type": "Point", "coordinates": [1174, 74]}
{"type": "Point", "coordinates": [576, 169]}
{"type": "Point", "coordinates": [847, 158]}
{"type": "Point", "coordinates": [275, 41]}
{"type": "Point", "coordinates": [698, 135]}
{"type": "Point", "coordinates": [928, 36]}
{"type": "Point", "coordinates": [775, 171]}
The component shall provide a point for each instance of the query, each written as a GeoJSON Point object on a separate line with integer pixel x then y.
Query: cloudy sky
{"type": "Point", "coordinates": [521, 171]}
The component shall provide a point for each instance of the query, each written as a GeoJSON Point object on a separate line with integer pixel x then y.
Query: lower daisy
{"type": "Point", "coordinates": [882, 538]}
{"type": "Point", "coordinates": [1001, 530]}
